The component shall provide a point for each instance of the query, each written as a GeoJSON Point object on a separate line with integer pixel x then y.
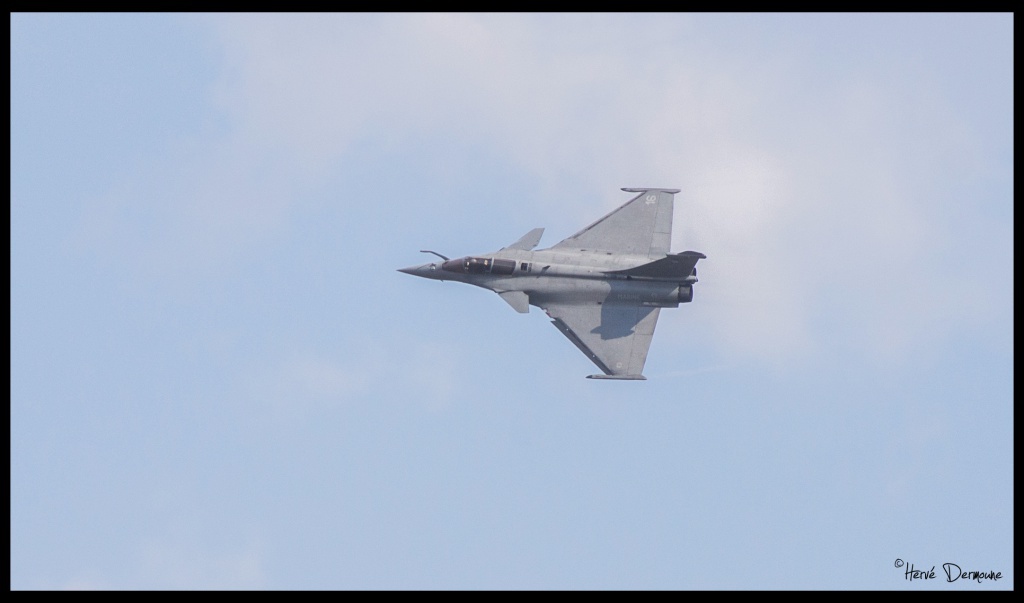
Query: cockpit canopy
{"type": "Point", "coordinates": [471, 265]}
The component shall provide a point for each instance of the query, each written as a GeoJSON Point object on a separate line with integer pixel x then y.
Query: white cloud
{"type": "Point", "coordinates": [814, 200]}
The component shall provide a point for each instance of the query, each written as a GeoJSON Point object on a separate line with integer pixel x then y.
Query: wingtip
{"type": "Point", "coordinates": [695, 254]}
{"type": "Point", "coordinates": [670, 191]}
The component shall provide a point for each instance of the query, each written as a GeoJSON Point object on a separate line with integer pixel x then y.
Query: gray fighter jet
{"type": "Point", "coordinates": [603, 287]}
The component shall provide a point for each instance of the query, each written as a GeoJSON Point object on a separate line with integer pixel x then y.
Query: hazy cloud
{"type": "Point", "coordinates": [807, 199]}
{"type": "Point", "coordinates": [813, 194]}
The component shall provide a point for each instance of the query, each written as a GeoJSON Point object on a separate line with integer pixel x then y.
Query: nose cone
{"type": "Point", "coordinates": [424, 270]}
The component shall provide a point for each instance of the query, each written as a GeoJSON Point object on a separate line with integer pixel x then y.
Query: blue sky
{"type": "Point", "coordinates": [219, 380]}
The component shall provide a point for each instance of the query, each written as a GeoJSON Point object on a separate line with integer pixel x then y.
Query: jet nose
{"type": "Point", "coordinates": [424, 270]}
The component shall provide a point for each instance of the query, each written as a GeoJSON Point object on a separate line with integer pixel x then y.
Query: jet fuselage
{"type": "Point", "coordinates": [550, 276]}
{"type": "Point", "coordinates": [603, 287]}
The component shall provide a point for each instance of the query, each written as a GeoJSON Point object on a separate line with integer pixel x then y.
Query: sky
{"type": "Point", "coordinates": [220, 381]}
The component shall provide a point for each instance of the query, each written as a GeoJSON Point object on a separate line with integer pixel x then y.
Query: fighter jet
{"type": "Point", "coordinates": [603, 287]}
